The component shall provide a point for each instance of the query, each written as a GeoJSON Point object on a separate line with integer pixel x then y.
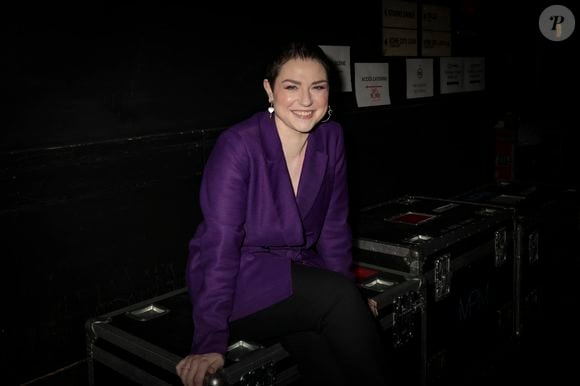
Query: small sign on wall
{"type": "Point", "coordinates": [340, 55]}
{"type": "Point", "coordinates": [372, 84]}
{"type": "Point", "coordinates": [461, 74]}
{"type": "Point", "coordinates": [399, 14]}
{"type": "Point", "coordinates": [436, 43]}
{"type": "Point", "coordinates": [419, 78]}
{"type": "Point", "coordinates": [399, 42]}
{"type": "Point", "coordinates": [474, 74]}
{"type": "Point", "coordinates": [399, 28]}
{"type": "Point", "coordinates": [436, 18]}
{"type": "Point", "coordinates": [451, 75]}
{"type": "Point", "coordinates": [436, 31]}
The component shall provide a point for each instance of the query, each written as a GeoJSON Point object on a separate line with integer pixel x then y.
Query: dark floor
{"type": "Point", "coordinates": [546, 354]}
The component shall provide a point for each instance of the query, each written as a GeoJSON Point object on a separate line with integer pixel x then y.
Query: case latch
{"type": "Point", "coordinates": [442, 276]}
{"type": "Point", "coordinates": [500, 246]}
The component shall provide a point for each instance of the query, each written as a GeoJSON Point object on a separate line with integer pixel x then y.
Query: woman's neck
{"type": "Point", "coordinates": [293, 143]}
{"type": "Point", "coordinates": [294, 148]}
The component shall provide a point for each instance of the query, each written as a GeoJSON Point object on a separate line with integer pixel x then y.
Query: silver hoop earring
{"type": "Point", "coordinates": [271, 109]}
{"type": "Point", "coordinates": [329, 112]}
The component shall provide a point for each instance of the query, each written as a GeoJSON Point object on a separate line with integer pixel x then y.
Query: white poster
{"type": "Point", "coordinates": [451, 75]}
{"type": "Point", "coordinates": [372, 84]}
{"type": "Point", "coordinates": [340, 55]}
{"type": "Point", "coordinates": [474, 74]}
{"type": "Point", "coordinates": [419, 78]}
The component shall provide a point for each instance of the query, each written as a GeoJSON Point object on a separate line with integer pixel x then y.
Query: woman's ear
{"type": "Point", "coordinates": [268, 89]}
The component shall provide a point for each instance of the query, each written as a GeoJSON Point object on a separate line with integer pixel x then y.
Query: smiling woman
{"type": "Point", "coordinates": [271, 260]}
{"type": "Point", "coordinates": [299, 95]}
{"type": "Point", "coordinates": [299, 98]}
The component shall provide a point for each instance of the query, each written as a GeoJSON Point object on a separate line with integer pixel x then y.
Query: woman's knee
{"type": "Point", "coordinates": [329, 292]}
{"type": "Point", "coordinates": [348, 293]}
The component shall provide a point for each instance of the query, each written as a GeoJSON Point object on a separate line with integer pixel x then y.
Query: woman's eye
{"type": "Point", "coordinates": [290, 87]}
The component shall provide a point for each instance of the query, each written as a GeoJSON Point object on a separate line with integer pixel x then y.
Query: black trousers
{"type": "Point", "coordinates": [327, 328]}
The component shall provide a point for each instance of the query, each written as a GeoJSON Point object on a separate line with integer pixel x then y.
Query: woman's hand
{"type": "Point", "coordinates": [192, 368]}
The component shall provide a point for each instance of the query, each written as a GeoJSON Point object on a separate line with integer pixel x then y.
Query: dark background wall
{"type": "Point", "coordinates": [113, 111]}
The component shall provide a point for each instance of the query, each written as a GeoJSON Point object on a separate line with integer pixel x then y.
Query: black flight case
{"type": "Point", "coordinates": [399, 301]}
{"type": "Point", "coordinates": [542, 222]}
{"type": "Point", "coordinates": [142, 343]}
{"type": "Point", "coordinates": [461, 253]}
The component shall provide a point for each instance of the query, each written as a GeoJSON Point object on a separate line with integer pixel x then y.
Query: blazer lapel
{"type": "Point", "coordinates": [313, 171]}
{"type": "Point", "coordinates": [280, 184]}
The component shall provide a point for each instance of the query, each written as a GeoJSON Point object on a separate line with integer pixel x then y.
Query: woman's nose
{"type": "Point", "coordinates": [305, 98]}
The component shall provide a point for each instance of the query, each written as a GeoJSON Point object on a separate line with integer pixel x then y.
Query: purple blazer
{"type": "Point", "coordinates": [254, 226]}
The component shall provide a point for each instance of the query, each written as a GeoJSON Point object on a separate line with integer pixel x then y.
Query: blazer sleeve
{"type": "Point", "coordinates": [215, 260]}
{"type": "Point", "coordinates": [335, 242]}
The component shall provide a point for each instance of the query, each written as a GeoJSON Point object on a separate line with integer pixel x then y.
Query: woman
{"type": "Point", "coordinates": [272, 258]}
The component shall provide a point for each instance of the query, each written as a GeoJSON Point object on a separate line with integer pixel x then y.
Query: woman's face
{"type": "Point", "coordinates": [299, 95]}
